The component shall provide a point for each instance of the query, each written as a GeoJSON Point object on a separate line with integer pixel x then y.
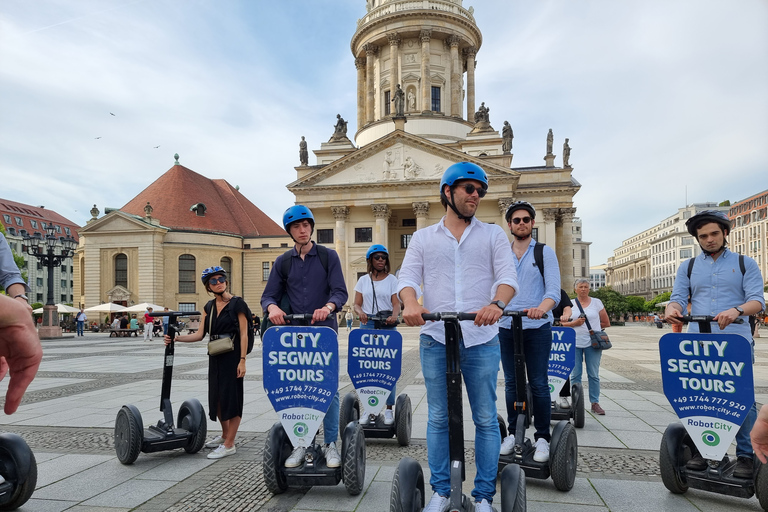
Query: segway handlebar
{"type": "Point", "coordinates": [174, 313]}
{"type": "Point", "coordinates": [299, 317]}
{"type": "Point", "coordinates": [468, 316]}
{"type": "Point", "coordinates": [381, 317]}
{"type": "Point", "coordinates": [705, 318]}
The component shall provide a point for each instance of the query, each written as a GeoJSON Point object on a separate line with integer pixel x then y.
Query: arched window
{"type": "Point", "coordinates": [226, 264]}
{"type": "Point", "coordinates": [121, 270]}
{"type": "Point", "coordinates": [187, 273]}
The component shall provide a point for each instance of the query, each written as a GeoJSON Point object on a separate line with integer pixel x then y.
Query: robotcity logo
{"type": "Point", "coordinates": [551, 388]}
{"type": "Point", "coordinates": [300, 429]}
{"type": "Point", "coordinates": [373, 401]}
{"type": "Point", "coordinates": [710, 438]}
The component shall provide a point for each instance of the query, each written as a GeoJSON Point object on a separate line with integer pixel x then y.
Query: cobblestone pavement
{"type": "Point", "coordinates": [236, 483]}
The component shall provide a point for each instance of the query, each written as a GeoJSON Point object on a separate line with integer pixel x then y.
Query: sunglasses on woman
{"type": "Point", "coordinates": [469, 188]}
{"type": "Point", "coordinates": [379, 256]}
{"type": "Point", "coordinates": [217, 280]}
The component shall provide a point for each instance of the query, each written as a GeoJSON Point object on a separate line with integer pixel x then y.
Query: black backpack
{"type": "Point", "coordinates": [233, 315]}
{"type": "Point", "coordinates": [285, 269]}
{"type": "Point", "coordinates": [565, 301]}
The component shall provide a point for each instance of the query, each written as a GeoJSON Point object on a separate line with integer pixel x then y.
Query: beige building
{"type": "Point", "coordinates": [749, 232]}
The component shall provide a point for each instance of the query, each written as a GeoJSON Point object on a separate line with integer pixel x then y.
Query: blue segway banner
{"type": "Point", "coordinates": [708, 380]}
{"type": "Point", "coordinates": [301, 376]}
{"type": "Point", "coordinates": [373, 364]}
{"type": "Point", "coordinates": [562, 357]}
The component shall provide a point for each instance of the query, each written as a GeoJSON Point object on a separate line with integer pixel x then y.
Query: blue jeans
{"type": "Point", "coordinates": [480, 368]}
{"type": "Point", "coordinates": [537, 344]}
{"type": "Point", "coordinates": [331, 421]}
{"type": "Point", "coordinates": [592, 358]}
{"type": "Point", "coordinates": [80, 328]}
{"type": "Point", "coordinates": [370, 325]}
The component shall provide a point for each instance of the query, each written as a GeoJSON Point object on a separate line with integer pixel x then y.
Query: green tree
{"type": "Point", "coordinates": [727, 202]}
{"type": "Point", "coordinates": [636, 304]}
{"type": "Point", "coordinates": [614, 302]}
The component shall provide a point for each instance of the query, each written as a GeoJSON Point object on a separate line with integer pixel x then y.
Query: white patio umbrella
{"type": "Point", "coordinates": [61, 308]}
{"type": "Point", "coordinates": [107, 307]}
{"type": "Point", "coordinates": [140, 308]}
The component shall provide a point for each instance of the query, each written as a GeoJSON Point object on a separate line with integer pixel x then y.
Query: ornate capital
{"type": "Point", "coordinates": [504, 203]}
{"type": "Point", "coordinates": [567, 214]}
{"type": "Point", "coordinates": [394, 38]}
{"type": "Point", "coordinates": [550, 214]}
{"type": "Point", "coordinates": [360, 63]}
{"type": "Point", "coordinates": [425, 35]}
{"type": "Point", "coordinates": [470, 52]}
{"type": "Point", "coordinates": [340, 212]}
{"type": "Point", "coordinates": [421, 209]}
{"type": "Point", "coordinates": [380, 211]}
{"type": "Point", "coordinates": [453, 41]}
{"type": "Point", "coordinates": [370, 49]}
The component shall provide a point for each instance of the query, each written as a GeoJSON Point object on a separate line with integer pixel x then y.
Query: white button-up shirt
{"type": "Point", "coordinates": [458, 276]}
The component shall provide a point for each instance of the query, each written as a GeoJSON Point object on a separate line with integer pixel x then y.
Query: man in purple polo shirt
{"type": "Point", "coordinates": [314, 284]}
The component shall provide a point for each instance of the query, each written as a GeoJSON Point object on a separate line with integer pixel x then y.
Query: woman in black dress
{"type": "Point", "coordinates": [225, 371]}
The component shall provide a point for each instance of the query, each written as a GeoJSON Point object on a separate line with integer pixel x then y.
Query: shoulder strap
{"type": "Point", "coordinates": [586, 320]}
{"type": "Point", "coordinates": [538, 258]}
{"type": "Point", "coordinates": [322, 253]}
{"type": "Point", "coordinates": [741, 265]}
{"type": "Point", "coordinates": [690, 271]}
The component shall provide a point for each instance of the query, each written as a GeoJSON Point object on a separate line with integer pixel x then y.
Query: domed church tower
{"type": "Point", "coordinates": [427, 47]}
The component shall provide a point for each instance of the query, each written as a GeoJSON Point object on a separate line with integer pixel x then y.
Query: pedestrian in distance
{"type": "Point", "coordinates": [80, 319]}
{"type": "Point", "coordinates": [314, 284]}
{"type": "Point", "coordinates": [539, 294]}
{"type": "Point", "coordinates": [148, 324]}
{"type": "Point", "coordinates": [349, 317]}
{"type": "Point", "coordinates": [224, 315]}
{"type": "Point", "coordinates": [727, 286]}
{"type": "Point", "coordinates": [376, 293]}
{"type": "Point", "coordinates": [460, 264]}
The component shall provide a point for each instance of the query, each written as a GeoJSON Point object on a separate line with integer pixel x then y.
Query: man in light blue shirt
{"type": "Point", "coordinates": [539, 294]}
{"type": "Point", "coordinates": [719, 288]}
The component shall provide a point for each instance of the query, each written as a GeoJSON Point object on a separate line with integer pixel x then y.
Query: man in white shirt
{"type": "Point", "coordinates": [464, 265]}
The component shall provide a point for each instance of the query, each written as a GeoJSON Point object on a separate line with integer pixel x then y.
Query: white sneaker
{"type": "Point", "coordinates": [542, 450]}
{"type": "Point", "coordinates": [222, 451]}
{"type": "Point", "coordinates": [215, 442]}
{"type": "Point", "coordinates": [332, 458]}
{"type": "Point", "coordinates": [564, 403]}
{"type": "Point", "coordinates": [296, 458]}
{"type": "Point", "coordinates": [389, 417]}
{"type": "Point", "coordinates": [437, 504]}
{"type": "Point", "coordinates": [363, 421]}
{"type": "Point", "coordinates": [507, 445]}
{"type": "Point", "coordinates": [484, 506]}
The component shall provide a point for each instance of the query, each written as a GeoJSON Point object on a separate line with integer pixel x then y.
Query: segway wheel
{"type": "Point", "coordinates": [502, 426]}
{"type": "Point", "coordinates": [349, 410]}
{"type": "Point", "coordinates": [577, 405]}
{"type": "Point", "coordinates": [353, 458]}
{"type": "Point", "coordinates": [513, 489]}
{"type": "Point", "coordinates": [672, 456]}
{"type": "Point", "coordinates": [19, 468]}
{"type": "Point", "coordinates": [403, 419]}
{"type": "Point", "coordinates": [277, 448]}
{"type": "Point", "coordinates": [761, 484]}
{"type": "Point", "coordinates": [191, 418]}
{"type": "Point", "coordinates": [129, 433]}
{"type": "Point", "coordinates": [564, 459]}
{"type": "Point", "coordinates": [407, 494]}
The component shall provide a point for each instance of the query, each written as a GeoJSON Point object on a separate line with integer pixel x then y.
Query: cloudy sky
{"type": "Point", "coordinates": [663, 100]}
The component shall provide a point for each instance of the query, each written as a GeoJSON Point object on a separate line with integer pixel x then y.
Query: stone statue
{"type": "Point", "coordinates": [339, 129]}
{"type": "Point", "coordinates": [410, 168]}
{"type": "Point", "coordinates": [303, 154]}
{"type": "Point", "coordinates": [506, 138]}
{"type": "Point", "coordinates": [388, 161]}
{"type": "Point", "coordinates": [482, 114]}
{"type": "Point", "coordinates": [550, 140]}
{"type": "Point", "coordinates": [399, 102]}
{"type": "Point", "coordinates": [411, 101]}
{"type": "Point", "coordinates": [566, 153]}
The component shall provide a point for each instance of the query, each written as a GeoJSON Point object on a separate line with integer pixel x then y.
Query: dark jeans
{"type": "Point", "coordinates": [536, 346]}
{"type": "Point", "coordinates": [80, 328]}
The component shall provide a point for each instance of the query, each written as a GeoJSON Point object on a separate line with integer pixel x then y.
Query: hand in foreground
{"type": "Point", "coordinates": [759, 435]}
{"type": "Point", "coordinates": [20, 350]}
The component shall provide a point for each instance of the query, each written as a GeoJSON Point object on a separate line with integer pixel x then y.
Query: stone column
{"type": "Point", "coordinates": [421, 210]}
{"type": "Point", "coordinates": [341, 214]}
{"type": "Point", "coordinates": [566, 260]}
{"type": "Point", "coordinates": [470, 53]}
{"type": "Point", "coordinates": [504, 203]}
{"type": "Point", "coordinates": [381, 231]}
{"type": "Point", "coordinates": [394, 71]}
{"type": "Point", "coordinates": [545, 222]}
{"type": "Point", "coordinates": [360, 65]}
{"type": "Point", "coordinates": [370, 89]}
{"type": "Point", "coordinates": [426, 81]}
{"type": "Point", "coordinates": [456, 72]}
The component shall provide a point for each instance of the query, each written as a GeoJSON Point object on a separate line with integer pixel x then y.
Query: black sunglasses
{"type": "Point", "coordinates": [518, 220]}
{"type": "Point", "coordinates": [469, 188]}
{"type": "Point", "coordinates": [379, 256]}
{"type": "Point", "coordinates": [217, 280]}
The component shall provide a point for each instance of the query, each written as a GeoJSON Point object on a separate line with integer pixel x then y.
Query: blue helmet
{"type": "Point", "coordinates": [374, 249]}
{"type": "Point", "coordinates": [297, 212]}
{"type": "Point", "coordinates": [463, 171]}
{"type": "Point", "coordinates": [705, 216]}
{"type": "Point", "coordinates": [210, 272]}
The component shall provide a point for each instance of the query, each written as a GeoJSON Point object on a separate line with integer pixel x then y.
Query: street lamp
{"type": "Point", "coordinates": [44, 249]}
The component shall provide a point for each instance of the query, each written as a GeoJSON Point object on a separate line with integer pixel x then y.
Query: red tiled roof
{"type": "Point", "coordinates": [227, 210]}
{"type": "Point", "coordinates": [28, 213]}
